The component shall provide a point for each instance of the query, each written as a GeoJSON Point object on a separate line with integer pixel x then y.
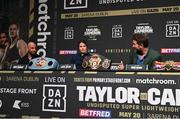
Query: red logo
{"type": "Point", "coordinates": [67, 52]}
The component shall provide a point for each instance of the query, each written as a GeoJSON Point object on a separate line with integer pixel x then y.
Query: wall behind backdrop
{"type": "Point", "coordinates": [107, 25]}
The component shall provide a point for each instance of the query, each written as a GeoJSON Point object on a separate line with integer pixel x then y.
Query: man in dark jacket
{"type": "Point", "coordinates": [142, 54]}
{"type": "Point", "coordinates": [32, 49]}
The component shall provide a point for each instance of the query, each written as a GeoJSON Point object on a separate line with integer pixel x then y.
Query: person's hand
{"type": "Point", "coordinates": [121, 66]}
{"type": "Point", "coordinates": [159, 63]}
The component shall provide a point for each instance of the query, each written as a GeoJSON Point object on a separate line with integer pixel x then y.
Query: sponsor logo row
{"type": "Point", "coordinates": [18, 104]}
{"type": "Point", "coordinates": [54, 98]}
{"type": "Point", "coordinates": [92, 32]}
{"type": "Point", "coordinates": [110, 51]}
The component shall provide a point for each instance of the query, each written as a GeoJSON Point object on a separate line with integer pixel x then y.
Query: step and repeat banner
{"type": "Point", "coordinates": [107, 25]}
{"type": "Point", "coordinates": [70, 94]}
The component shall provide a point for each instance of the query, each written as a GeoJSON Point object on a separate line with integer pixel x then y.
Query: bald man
{"type": "Point", "coordinates": [32, 49]}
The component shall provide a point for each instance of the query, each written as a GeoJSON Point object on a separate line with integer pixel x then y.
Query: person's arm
{"type": "Point", "coordinates": [72, 60]}
{"type": "Point", "coordinates": [5, 53]}
{"type": "Point", "coordinates": [159, 58]}
{"type": "Point", "coordinates": [122, 66]}
{"type": "Point", "coordinates": [22, 47]}
{"type": "Point", "coordinates": [155, 60]}
{"type": "Point", "coordinates": [20, 61]}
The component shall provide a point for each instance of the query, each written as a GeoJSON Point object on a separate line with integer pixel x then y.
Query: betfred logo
{"type": "Point", "coordinates": [94, 113]}
{"type": "Point", "coordinates": [75, 4]}
{"type": "Point", "coordinates": [68, 34]}
{"type": "Point", "coordinates": [170, 50]}
{"type": "Point", "coordinates": [67, 52]}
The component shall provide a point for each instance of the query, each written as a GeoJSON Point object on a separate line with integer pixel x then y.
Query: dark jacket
{"type": "Point", "coordinates": [78, 60]}
{"type": "Point", "coordinates": [25, 59]}
{"type": "Point", "coordinates": [149, 59]}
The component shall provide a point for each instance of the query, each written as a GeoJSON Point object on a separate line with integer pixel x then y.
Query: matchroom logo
{"type": "Point", "coordinates": [75, 4]}
{"type": "Point", "coordinates": [54, 98]}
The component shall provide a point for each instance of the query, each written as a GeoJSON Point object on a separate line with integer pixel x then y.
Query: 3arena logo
{"type": "Point", "coordinates": [117, 31]}
{"type": "Point", "coordinates": [69, 33]}
{"type": "Point", "coordinates": [75, 4]}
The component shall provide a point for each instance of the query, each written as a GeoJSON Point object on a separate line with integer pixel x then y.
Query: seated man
{"type": "Point", "coordinates": [82, 53]}
{"type": "Point", "coordinates": [142, 54]}
{"type": "Point", "coordinates": [32, 49]}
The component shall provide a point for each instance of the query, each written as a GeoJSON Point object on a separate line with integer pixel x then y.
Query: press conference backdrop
{"type": "Point", "coordinates": [107, 25]}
